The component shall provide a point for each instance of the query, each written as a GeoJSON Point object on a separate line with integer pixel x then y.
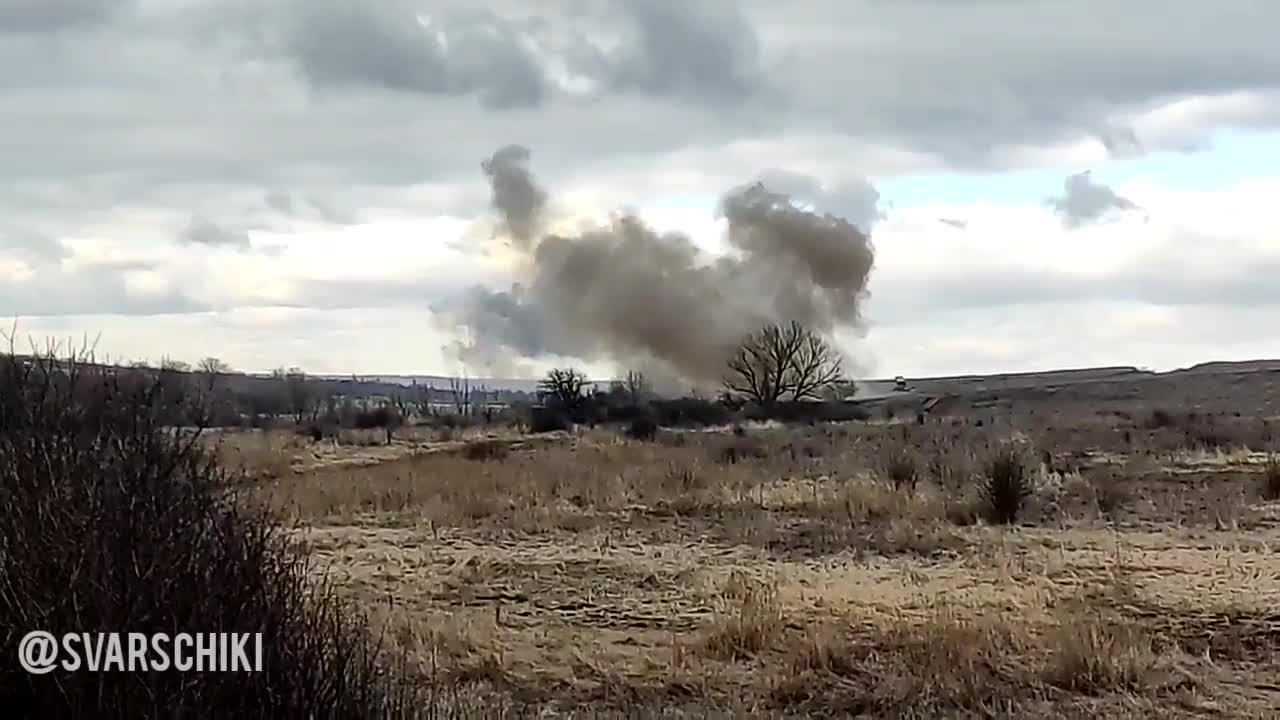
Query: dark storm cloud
{"type": "Point", "coordinates": [1084, 200]}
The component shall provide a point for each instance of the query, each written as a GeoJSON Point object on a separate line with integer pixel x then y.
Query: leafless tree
{"type": "Point", "coordinates": [178, 366]}
{"type": "Point", "coordinates": [461, 389]}
{"type": "Point", "coordinates": [637, 386]}
{"type": "Point", "coordinates": [403, 405]}
{"type": "Point", "coordinates": [815, 366]}
{"type": "Point", "coordinates": [298, 391]}
{"type": "Point", "coordinates": [782, 362]}
{"type": "Point", "coordinates": [211, 368]}
{"type": "Point", "coordinates": [564, 387]}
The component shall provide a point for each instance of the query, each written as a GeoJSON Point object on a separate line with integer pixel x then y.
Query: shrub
{"type": "Point", "coordinates": [684, 412]}
{"type": "Point", "coordinates": [112, 521]}
{"type": "Point", "coordinates": [380, 417]}
{"type": "Point", "coordinates": [485, 450]}
{"type": "Point", "coordinates": [902, 470]}
{"type": "Point", "coordinates": [740, 449]}
{"type": "Point", "coordinates": [317, 430]}
{"type": "Point", "coordinates": [1006, 484]}
{"type": "Point", "coordinates": [546, 419]}
{"type": "Point", "coordinates": [643, 427]}
{"type": "Point", "coordinates": [1271, 478]}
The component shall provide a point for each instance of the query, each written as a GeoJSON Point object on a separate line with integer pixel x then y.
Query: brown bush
{"type": "Point", "coordinates": [112, 521]}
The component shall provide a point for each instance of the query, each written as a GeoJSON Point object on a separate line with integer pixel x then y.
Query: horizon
{"type": "Point", "coordinates": [199, 178]}
{"type": "Point", "coordinates": [190, 366]}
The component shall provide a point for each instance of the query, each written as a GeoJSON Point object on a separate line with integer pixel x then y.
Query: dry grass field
{"type": "Point", "coordinates": [857, 569]}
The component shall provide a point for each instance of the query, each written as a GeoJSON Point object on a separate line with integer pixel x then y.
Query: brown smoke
{"type": "Point", "coordinates": [516, 197]}
{"type": "Point", "coordinates": [624, 292]}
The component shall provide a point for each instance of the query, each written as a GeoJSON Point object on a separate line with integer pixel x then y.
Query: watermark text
{"type": "Point", "coordinates": [41, 652]}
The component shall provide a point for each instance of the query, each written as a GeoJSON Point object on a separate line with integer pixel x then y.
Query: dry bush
{"type": "Point", "coordinates": [1092, 655]}
{"type": "Point", "coordinates": [739, 449]}
{"type": "Point", "coordinates": [902, 469]}
{"type": "Point", "coordinates": [258, 454]}
{"type": "Point", "coordinates": [487, 449]}
{"type": "Point", "coordinates": [1271, 478]}
{"type": "Point", "coordinates": [1007, 483]}
{"type": "Point", "coordinates": [749, 622]}
{"type": "Point", "coordinates": [946, 666]}
{"type": "Point", "coordinates": [866, 500]}
{"type": "Point", "coordinates": [113, 521]}
{"type": "Point", "coordinates": [643, 427]}
{"type": "Point", "coordinates": [951, 665]}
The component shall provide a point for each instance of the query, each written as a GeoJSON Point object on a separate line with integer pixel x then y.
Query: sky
{"type": "Point", "coordinates": [298, 182]}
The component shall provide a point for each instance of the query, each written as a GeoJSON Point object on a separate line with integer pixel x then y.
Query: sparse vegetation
{"type": "Point", "coordinates": [1271, 478]}
{"type": "Point", "coordinates": [741, 568]}
{"type": "Point", "coordinates": [643, 427]}
{"type": "Point", "coordinates": [113, 521]}
{"type": "Point", "coordinates": [902, 470]}
{"type": "Point", "coordinates": [485, 450]}
{"type": "Point", "coordinates": [1006, 484]}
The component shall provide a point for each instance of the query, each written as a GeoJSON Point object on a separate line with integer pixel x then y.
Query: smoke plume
{"type": "Point", "coordinates": [516, 197]}
{"type": "Point", "coordinates": [654, 301]}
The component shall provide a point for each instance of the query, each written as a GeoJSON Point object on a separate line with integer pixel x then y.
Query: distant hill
{"type": "Point", "coordinates": [442, 381]}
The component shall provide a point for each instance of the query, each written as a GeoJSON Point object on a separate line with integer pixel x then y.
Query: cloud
{"type": "Point", "coordinates": [319, 97]}
{"type": "Point", "coordinates": [855, 199]}
{"type": "Point", "coordinates": [699, 51]}
{"type": "Point", "coordinates": [44, 16]}
{"type": "Point", "coordinates": [203, 231]}
{"type": "Point", "coordinates": [393, 45]}
{"type": "Point", "coordinates": [30, 245]}
{"type": "Point", "coordinates": [1085, 201]}
{"type": "Point", "coordinates": [345, 138]}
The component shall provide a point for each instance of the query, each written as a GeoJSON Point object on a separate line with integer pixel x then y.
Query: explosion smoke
{"type": "Point", "coordinates": [654, 301]}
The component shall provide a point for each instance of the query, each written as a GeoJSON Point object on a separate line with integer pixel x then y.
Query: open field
{"type": "Point", "coordinates": [792, 571]}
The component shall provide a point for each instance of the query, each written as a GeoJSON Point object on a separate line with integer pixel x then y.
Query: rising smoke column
{"type": "Point", "coordinates": [654, 301]}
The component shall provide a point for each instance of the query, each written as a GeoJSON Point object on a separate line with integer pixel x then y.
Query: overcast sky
{"type": "Point", "coordinates": [297, 182]}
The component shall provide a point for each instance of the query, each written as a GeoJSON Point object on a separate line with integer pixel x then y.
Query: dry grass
{"type": "Point", "coordinates": [805, 572]}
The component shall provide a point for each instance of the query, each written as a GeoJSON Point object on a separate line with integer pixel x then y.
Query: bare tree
{"type": "Point", "coordinates": [298, 392]}
{"type": "Point", "coordinates": [815, 366]}
{"type": "Point", "coordinates": [564, 387]}
{"type": "Point", "coordinates": [782, 362]}
{"type": "Point", "coordinates": [637, 386]}
{"type": "Point", "coordinates": [403, 405]}
{"type": "Point", "coordinates": [211, 368]}
{"type": "Point", "coordinates": [177, 366]}
{"type": "Point", "coordinates": [461, 389]}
